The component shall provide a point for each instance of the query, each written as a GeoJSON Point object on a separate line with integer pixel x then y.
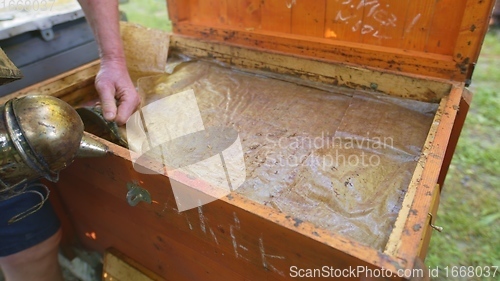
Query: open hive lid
{"type": "Point", "coordinates": [439, 39]}
{"type": "Point", "coordinates": [23, 16]}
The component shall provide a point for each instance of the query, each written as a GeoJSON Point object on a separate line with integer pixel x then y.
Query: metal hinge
{"type": "Point", "coordinates": [470, 71]}
{"type": "Point", "coordinates": [137, 194]}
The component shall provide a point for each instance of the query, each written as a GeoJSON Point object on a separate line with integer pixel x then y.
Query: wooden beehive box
{"type": "Point", "coordinates": [416, 50]}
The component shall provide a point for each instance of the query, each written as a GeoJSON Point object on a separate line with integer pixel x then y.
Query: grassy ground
{"type": "Point", "coordinates": [150, 13]}
{"type": "Point", "coordinates": [469, 209]}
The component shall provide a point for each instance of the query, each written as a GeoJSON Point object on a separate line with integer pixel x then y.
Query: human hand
{"type": "Point", "coordinates": [119, 98]}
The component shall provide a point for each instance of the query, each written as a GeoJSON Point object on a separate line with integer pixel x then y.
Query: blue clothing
{"type": "Point", "coordinates": [29, 231]}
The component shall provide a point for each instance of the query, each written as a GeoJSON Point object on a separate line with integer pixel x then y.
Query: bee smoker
{"type": "Point", "coordinates": [39, 136]}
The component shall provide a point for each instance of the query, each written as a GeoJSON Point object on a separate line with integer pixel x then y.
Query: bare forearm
{"type": "Point", "coordinates": [103, 17]}
{"type": "Point", "coordinates": [118, 96]}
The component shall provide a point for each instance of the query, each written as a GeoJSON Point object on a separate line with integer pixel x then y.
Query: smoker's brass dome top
{"type": "Point", "coordinates": [40, 136]}
{"type": "Point", "coordinates": [51, 127]}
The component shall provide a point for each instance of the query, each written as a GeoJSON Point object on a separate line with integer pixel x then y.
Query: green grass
{"type": "Point", "coordinates": [469, 208]}
{"type": "Point", "coordinates": [150, 13]}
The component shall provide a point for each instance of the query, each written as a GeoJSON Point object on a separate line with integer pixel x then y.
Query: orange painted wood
{"type": "Point", "coordinates": [233, 235]}
{"type": "Point", "coordinates": [342, 18]}
{"type": "Point", "coordinates": [422, 203]}
{"type": "Point", "coordinates": [463, 109]}
{"type": "Point", "coordinates": [331, 50]}
{"type": "Point", "coordinates": [142, 235]}
{"type": "Point", "coordinates": [245, 14]}
{"type": "Point", "coordinates": [223, 16]}
{"type": "Point", "coordinates": [428, 230]}
{"type": "Point", "coordinates": [383, 22]}
{"type": "Point", "coordinates": [415, 88]}
{"type": "Point", "coordinates": [209, 12]}
{"type": "Point", "coordinates": [179, 10]}
{"type": "Point", "coordinates": [475, 23]}
{"type": "Point", "coordinates": [381, 26]}
{"type": "Point", "coordinates": [446, 20]}
{"type": "Point", "coordinates": [308, 19]}
{"type": "Point", "coordinates": [276, 16]}
{"type": "Point", "coordinates": [418, 23]}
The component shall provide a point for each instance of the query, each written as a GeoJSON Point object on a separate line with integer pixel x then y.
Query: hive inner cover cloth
{"type": "Point", "coordinates": [338, 158]}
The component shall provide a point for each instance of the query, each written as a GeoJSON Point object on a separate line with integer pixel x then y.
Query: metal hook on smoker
{"type": "Point", "coordinates": [35, 208]}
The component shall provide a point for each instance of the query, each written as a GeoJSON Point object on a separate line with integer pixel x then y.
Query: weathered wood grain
{"type": "Point", "coordinates": [356, 77]}
{"type": "Point", "coordinates": [416, 37]}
